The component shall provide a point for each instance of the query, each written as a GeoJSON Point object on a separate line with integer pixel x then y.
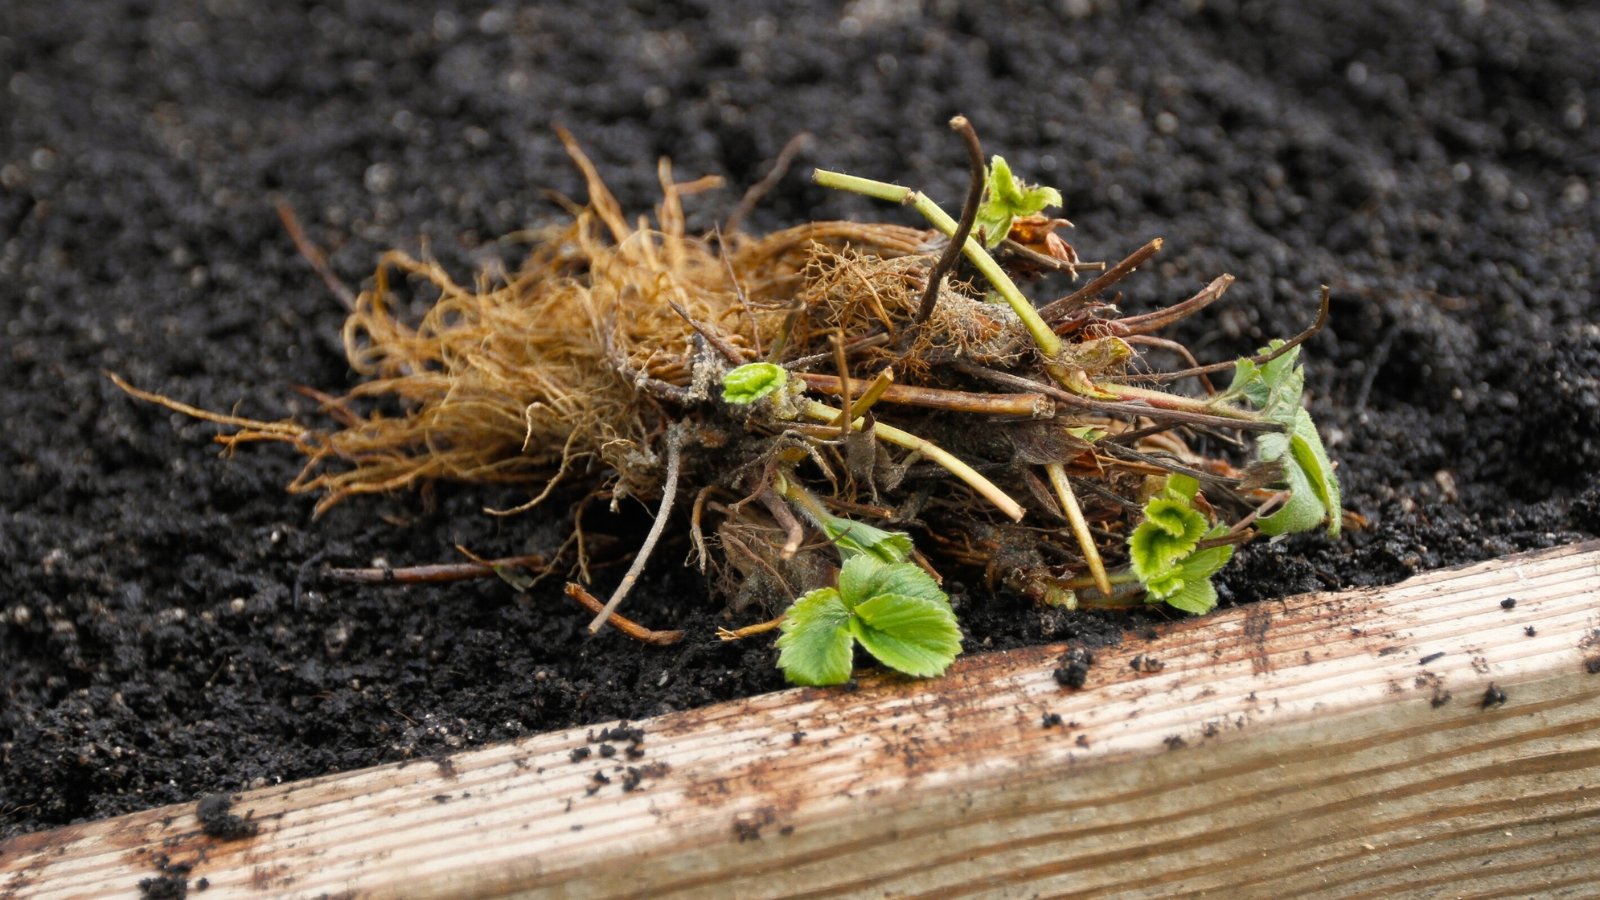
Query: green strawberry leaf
{"type": "Point", "coordinates": [1197, 597]}
{"type": "Point", "coordinates": [1163, 554]}
{"type": "Point", "coordinates": [858, 538]}
{"type": "Point", "coordinates": [1303, 510]}
{"type": "Point", "coordinates": [1168, 533]}
{"type": "Point", "coordinates": [1208, 562]}
{"type": "Point", "coordinates": [1311, 457]}
{"type": "Point", "coordinates": [750, 382]}
{"type": "Point", "coordinates": [864, 577]}
{"type": "Point", "coordinates": [1314, 496]}
{"type": "Point", "coordinates": [1005, 198]}
{"type": "Point", "coordinates": [815, 647]}
{"type": "Point", "coordinates": [1275, 387]}
{"type": "Point", "coordinates": [1181, 487]}
{"type": "Point", "coordinates": [913, 635]}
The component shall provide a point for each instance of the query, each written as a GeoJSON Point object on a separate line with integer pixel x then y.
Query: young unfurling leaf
{"type": "Point", "coordinates": [1314, 496]}
{"type": "Point", "coordinates": [857, 538]}
{"type": "Point", "coordinates": [1006, 198]}
{"type": "Point", "coordinates": [1189, 587]}
{"type": "Point", "coordinates": [1168, 533]}
{"type": "Point", "coordinates": [1163, 549]}
{"type": "Point", "coordinates": [750, 382]}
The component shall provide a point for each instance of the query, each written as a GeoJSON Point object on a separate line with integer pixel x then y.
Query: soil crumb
{"type": "Point", "coordinates": [218, 821]}
{"type": "Point", "coordinates": [1493, 696]}
{"type": "Point", "coordinates": [171, 884]}
{"type": "Point", "coordinates": [1074, 669]}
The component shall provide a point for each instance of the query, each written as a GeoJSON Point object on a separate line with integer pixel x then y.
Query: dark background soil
{"type": "Point", "coordinates": [1436, 163]}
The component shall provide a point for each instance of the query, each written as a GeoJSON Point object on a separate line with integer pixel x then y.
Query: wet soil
{"type": "Point", "coordinates": [1437, 164]}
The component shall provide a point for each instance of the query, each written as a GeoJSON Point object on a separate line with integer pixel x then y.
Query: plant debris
{"type": "Point", "coordinates": [825, 395]}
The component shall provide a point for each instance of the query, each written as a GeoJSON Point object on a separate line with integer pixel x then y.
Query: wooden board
{"type": "Point", "coordinates": [1330, 744]}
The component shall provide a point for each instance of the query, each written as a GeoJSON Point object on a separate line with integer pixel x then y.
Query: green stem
{"type": "Point", "coordinates": [1115, 578]}
{"type": "Point", "coordinates": [1080, 526]}
{"type": "Point", "coordinates": [791, 490]}
{"type": "Point", "coordinates": [1048, 342]}
{"type": "Point", "coordinates": [822, 412]}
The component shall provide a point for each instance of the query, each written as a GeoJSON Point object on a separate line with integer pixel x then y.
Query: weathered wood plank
{"type": "Point", "coordinates": [1329, 744]}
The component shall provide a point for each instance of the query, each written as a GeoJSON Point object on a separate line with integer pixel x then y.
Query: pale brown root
{"type": "Point", "coordinates": [669, 493]}
{"type": "Point", "coordinates": [435, 574]}
{"type": "Point", "coordinates": [622, 623]}
{"type": "Point", "coordinates": [739, 634]}
{"type": "Point", "coordinates": [313, 255]}
{"type": "Point", "coordinates": [780, 167]}
{"type": "Point", "coordinates": [733, 282]}
{"type": "Point", "coordinates": [333, 406]}
{"type": "Point", "coordinates": [262, 430]}
{"type": "Point", "coordinates": [549, 486]}
{"type": "Point", "coordinates": [794, 534]}
{"type": "Point", "coordinates": [696, 530]}
{"type": "Point", "coordinates": [600, 198]}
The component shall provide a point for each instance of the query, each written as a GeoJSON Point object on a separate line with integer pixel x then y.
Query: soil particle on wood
{"type": "Point", "coordinates": [1438, 694]}
{"type": "Point", "coordinates": [1437, 164]}
{"type": "Point", "coordinates": [1493, 696]}
{"type": "Point", "coordinates": [1074, 669]}
{"type": "Point", "coordinates": [1146, 664]}
{"type": "Point", "coordinates": [171, 884]}
{"type": "Point", "coordinates": [218, 820]}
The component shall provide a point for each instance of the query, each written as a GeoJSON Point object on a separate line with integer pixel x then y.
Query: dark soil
{"type": "Point", "coordinates": [1437, 164]}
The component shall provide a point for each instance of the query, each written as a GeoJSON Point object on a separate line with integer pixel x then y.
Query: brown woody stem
{"type": "Point", "coordinates": [1029, 405]}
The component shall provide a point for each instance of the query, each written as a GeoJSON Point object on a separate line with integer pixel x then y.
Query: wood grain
{"type": "Point", "coordinates": [1327, 745]}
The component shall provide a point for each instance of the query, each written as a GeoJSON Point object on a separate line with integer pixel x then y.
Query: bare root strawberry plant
{"type": "Point", "coordinates": [839, 414]}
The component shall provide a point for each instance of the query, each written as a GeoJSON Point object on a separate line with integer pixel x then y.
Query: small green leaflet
{"type": "Point", "coordinates": [1170, 530]}
{"type": "Point", "coordinates": [1190, 587]}
{"type": "Point", "coordinates": [1163, 549]}
{"type": "Point", "coordinates": [815, 645]}
{"type": "Point", "coordinates": [857, 538]}
{"type": "Point", "coordinates": [913, 635]}
{"type": "Point", "coordinates": [1005, 198]}
{"type": "Point", "coordinates": [894, 610]}
{"type": "Point", "coordinates": [1275, 388]}
{"type": "Point", "coordinates": [750, 382]}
